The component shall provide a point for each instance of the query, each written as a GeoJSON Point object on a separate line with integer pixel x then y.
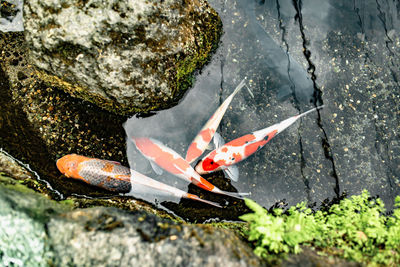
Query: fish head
{"type": "Point", "coordinates": [68, 165]}
{"type": "Point", "coordinates": [207, 165]}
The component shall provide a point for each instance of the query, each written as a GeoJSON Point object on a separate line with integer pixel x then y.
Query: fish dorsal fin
{"type": "Point", "coordinates": [232, 172]}
{"type": "Point", "coordinates": [218, 140]}
{"type": "Point", "coordinates": [157, 169]}
{"type": "Point", "coordinates": [113, 162]}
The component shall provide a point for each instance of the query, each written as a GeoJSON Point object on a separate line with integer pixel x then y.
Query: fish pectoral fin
{"type": "Point", "coordinates": [210, 146]}
{"type": "Point", "coordinates": [218, 140]}
{"type": "Point", "coordinates": [157, 169]}
{"type": "Point", "coordinates": [232, 172]}
{"type": "Point", "coordinates": [249, 90]}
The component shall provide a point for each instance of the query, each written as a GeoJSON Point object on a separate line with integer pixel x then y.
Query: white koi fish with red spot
{"type": "Point", "coordinates": [172, 162]}
{"type": "Point", "coordinates": [112, 176]}
{"type": "Point", "coordinates": [203, 138]}
{"type": "Point", "coordinates": [239, 149]}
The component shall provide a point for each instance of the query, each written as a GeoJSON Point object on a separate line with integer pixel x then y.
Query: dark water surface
{"type": "Point", "coordinates": [284, 49]}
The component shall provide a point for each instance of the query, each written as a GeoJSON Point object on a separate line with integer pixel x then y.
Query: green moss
{"type": "Point", "coordinates": [209, 37]}
{"type": "Point", "coordinates": [355, 229]}
{"type": "Point", "coordinates": [36, 206]}
{"type": "Point", "coordinates": [240, 229]}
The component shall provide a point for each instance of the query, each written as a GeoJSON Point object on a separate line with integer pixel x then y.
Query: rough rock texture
{"type": "Point", "coordinates": [23, 214]}
{"type": "Point", "coordinates": [108, 237]}
{"type": "Point", "coordinates": [125, 56]}
{"type": "Point", "coordinates": [11, 15]}
{"type": "Point", "coordinates": [35, 231]}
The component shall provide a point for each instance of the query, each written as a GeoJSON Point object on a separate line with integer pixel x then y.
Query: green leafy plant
{"type": "Point", "coordinates": [356, 229]}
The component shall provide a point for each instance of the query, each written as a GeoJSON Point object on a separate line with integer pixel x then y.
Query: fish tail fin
{"type": "Point", "coordinates": [309, 111]}
{"type": "Point", "coordinates": [231, 194]}
{"type": "Point", "coordinates": [195, 197]}
{"type": "Point", "coordinates": [239, 86]}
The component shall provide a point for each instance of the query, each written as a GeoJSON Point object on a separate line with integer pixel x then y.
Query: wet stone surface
{"type": "Point", "coordinates": [125, 57]}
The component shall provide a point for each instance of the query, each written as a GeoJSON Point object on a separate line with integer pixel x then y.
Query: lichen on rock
{"type": "Point", "coordinates": [124, 56]}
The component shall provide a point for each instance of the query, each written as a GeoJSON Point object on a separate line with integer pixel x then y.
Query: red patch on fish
{"type": "Point", "coordinates": [237, 157]}
{"type": "Point", "coordinates": [193, 152]}
{"type": "Point", "coordinates": [162, 158]}
{"type": "Point", "coordinates": [224, 149]}
{"type": "Point", "coordinates": [203, 184]}
{"type": "Point", "coordinates": [252, 148]}
{"type": "Point", "coordinates": [207, 134]}
{"type": "Point", "coordinates": [241, 140]}
{"type": "Point", "coordinates": [208, 163]}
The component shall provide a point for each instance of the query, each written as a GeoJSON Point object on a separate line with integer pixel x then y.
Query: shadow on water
{"type": "Point", "coordinates": [15, 131]}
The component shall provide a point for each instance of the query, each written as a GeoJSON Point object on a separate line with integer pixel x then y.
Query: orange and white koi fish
{"type": "Point", "coordinates": [203, 138]}
{"type": "Point", "coordinates": [114, 177]}
{"type": "Point", "coordinates": [171, 161]}
{"type": "Point", "coordinates": [239, 149]}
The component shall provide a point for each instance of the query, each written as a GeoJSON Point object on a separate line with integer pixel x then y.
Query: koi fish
{"type": "Point", "coordinates": [239, 149]}
{"type": "Point", "coordinates": [112, 176]}
{"type": "Point", "coordinates": [203, 138]}
{"type": "Point", "coordinates": [172, 162]}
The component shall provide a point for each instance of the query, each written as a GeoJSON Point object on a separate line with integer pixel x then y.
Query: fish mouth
{"type": "Point", "coordinates": [60, 165]}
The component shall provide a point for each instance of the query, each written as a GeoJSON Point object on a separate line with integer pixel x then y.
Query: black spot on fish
{"type": "Point", "coordinates": [266, 137]}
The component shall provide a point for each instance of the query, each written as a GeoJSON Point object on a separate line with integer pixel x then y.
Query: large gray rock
{"type": "Point", "coordinates": [125, 56]}
{"type": "Point", "coordinates": [108, 237]}
{"type": "Point", "coordinates": [35, 231]}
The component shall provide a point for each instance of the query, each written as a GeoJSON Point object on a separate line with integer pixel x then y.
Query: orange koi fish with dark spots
{"type": "Point", "coordinates": [201, 141]}
{"type": "Point", "coordinates": [242, 147]}
{"type": "Point", "coordinates": [172, 162]}
{"type": "Point", "coordinates": [114, 177]}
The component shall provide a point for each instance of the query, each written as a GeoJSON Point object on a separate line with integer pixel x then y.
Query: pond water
{"type": "Point", "coordinates": [294, 56]}
{"type": "Point", "coordinates": [278, 46]}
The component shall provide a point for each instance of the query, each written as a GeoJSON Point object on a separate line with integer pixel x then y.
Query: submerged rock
{"type": "Point", "coordinates": [123, 56]}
